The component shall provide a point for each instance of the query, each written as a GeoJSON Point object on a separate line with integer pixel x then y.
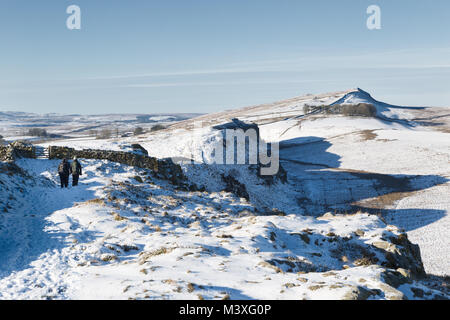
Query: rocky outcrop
{"type": "Point", "coordinates": [237, 124]}
{"type": "Point", "coordinates": [234, 186]}
{"type": "Point", "coordinates": [359, 293]}
{"type": "Point", "coordinates": [164, 169]}
{"type": "Point", "coordinates": [399, 252]}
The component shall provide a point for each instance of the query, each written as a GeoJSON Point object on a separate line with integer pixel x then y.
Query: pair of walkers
{"type": "Point", "coordinates": [65, 169]}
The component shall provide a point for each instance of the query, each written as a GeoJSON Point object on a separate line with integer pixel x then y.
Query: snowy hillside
{"type": "Point", "coordinates": [150, 240]}
{"type": "Point", "coordinates": [384, 111]}
{"type": "Point", "coordinates": [17, 125]}
{"type": "Point", "coordinates": [396, 163]}
{"type": "Point", "coordinates": [357, 189]}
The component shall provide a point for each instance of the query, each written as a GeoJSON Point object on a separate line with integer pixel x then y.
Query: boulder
{"type": "Point", "coordinates": [359, 293]}
{"type": "Point", "coordinates": [138, 149]}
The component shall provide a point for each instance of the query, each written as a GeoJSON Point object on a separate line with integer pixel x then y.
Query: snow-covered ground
{"type": "Point", "coordinates": [114, 237]}
{"type": "Point", "coordinates": [16, 125]}
{"type": "Point", "coordinates": [336, 161]}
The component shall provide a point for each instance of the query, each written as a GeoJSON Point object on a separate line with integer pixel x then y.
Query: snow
{"type": "Point", "coordinates": [372, 147]}
{"type": "Point", "coordinates": [154, 242]}
{"type": "Point", "coordinates": [115, 238]}
{"type": "Point", "coordinates": [384, 110]}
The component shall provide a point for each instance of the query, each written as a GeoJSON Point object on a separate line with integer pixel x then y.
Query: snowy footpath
{"type": "Point", "coordinates": [122, 234]}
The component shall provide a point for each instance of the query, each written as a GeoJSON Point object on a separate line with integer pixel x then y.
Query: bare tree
{"type": "Point", "coordinates": [157, 127]}
{"type": "Point", "coordinates": [104, 134]}
{"type": "Point", "coordinates": [138, 131]}
{"type": "Point", "coordinates": [37, 132]}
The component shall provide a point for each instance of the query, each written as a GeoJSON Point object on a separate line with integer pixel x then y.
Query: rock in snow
{"type": "Point", "coordinates": [332, 226]}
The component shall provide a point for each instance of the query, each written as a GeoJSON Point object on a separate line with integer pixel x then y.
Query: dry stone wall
{"type": "Point", "coordinates": [17, 150]}
{"type": "Point", "coordinates": [162, 168]}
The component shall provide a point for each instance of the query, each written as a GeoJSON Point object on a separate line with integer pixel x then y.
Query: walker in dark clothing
{"type": "Point", "coordinates": [76, 171]}
{"type": "Point", "coordinates": [75, 178]}
{"type": "Point", "coordinates": [64, 180]}
{"type": "Point", "coordinates": [64, 170]}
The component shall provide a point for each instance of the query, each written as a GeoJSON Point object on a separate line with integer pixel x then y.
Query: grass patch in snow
{"type": "Point", "coordinates": [145, 256]}
{"type": "Point", "coordinates": [96, 201]}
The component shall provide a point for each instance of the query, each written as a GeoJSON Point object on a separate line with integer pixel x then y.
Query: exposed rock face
{"type": "Point", "coordinates": [237, 124]}
{"type": "Point", "coordinates": [401, 253]}
{"type": "Point", "coordinates": [235, 187]}
{"type": "Point", "coordinates": [359, 293]}
{"type": "Point", "coordinates": [162, 168]}
{"type": "Point", "coordinates": [396, 278]}
{"type": "Point", "coordinates": [270, 180]}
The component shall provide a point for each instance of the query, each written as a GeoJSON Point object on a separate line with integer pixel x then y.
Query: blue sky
{"type": "Point", "coordinates": [210, 55]}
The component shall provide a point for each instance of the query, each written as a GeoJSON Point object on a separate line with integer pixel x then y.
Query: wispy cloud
{"type": "Point", "coordinates": [395, 59]}
{"type": "Point", "coordinates": [414, 58]}
{"type": "Point", "coordinates": [219, 83]}
{"type": "Point", "coordinates": [179, 73]}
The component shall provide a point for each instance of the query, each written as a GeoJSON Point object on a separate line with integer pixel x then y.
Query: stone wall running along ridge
{"type": "Point", "coordinates": [162, 168]}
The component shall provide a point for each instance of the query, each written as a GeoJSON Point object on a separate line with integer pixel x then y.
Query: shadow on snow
{"type": "Point", "coordinates": [325, 187]}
